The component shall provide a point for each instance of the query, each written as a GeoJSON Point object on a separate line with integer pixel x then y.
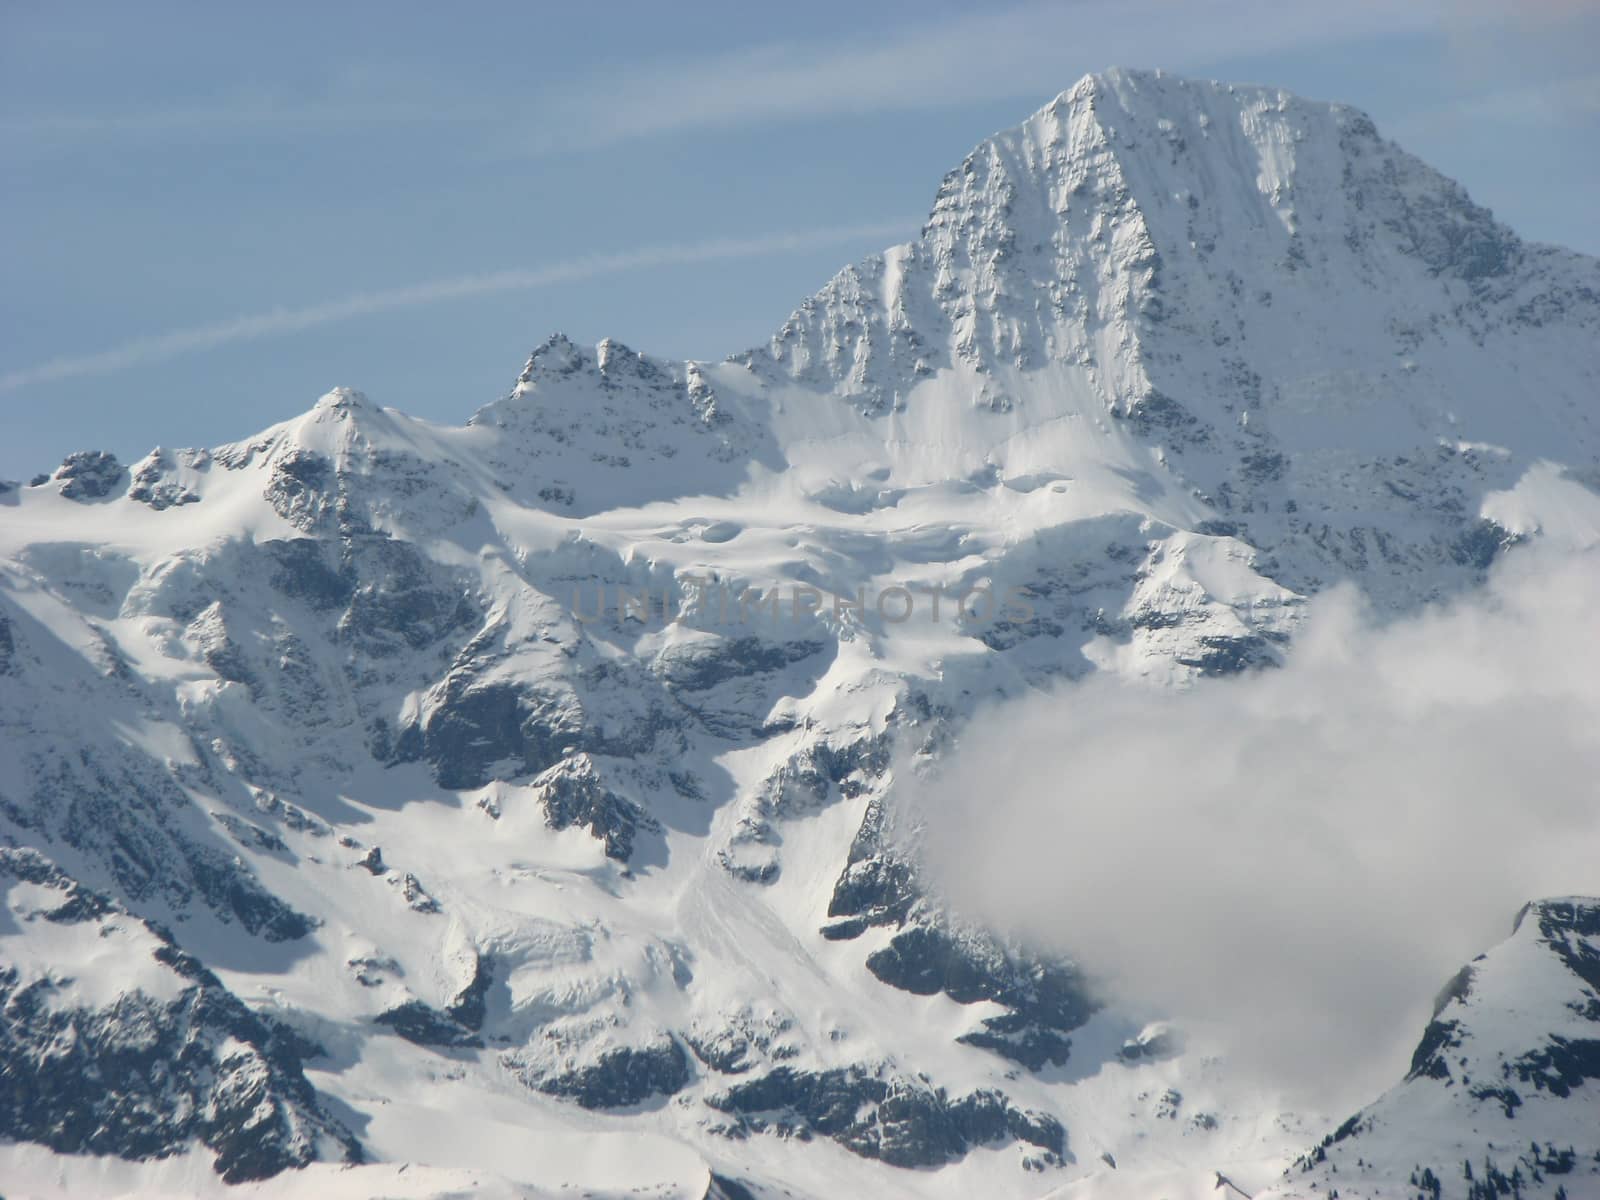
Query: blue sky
{"type": "Point", "coordinates": [211, 214]}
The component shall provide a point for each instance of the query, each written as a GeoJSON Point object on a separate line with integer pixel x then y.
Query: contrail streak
{"type": "Point", "coordinates": [279, 321]}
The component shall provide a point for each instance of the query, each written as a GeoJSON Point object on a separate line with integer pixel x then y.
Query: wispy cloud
{"type": "Point", "coordinates": [233, 116]}
{"type": "Point", "coordinates": [279, 321]}
{"type": "Point", "coordinates": [1033, 51]}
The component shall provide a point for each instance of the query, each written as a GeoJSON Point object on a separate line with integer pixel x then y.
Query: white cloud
{"type": "Point", "coordinates": [1293, 863]}
{"type": "Point", "coordinates": [1032, 51]}
{"type": "Point", "coordinates": [232, 115]}
{"type": "Point", "coordinates": [280, 321]}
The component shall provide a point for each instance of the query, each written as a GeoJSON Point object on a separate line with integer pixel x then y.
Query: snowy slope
{"type": "Point", "coordinates": [387, 725]}
{"type": "Point", "coordinates": [1502, 1084]}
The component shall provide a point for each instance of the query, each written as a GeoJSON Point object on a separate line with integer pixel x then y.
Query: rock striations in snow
{"type": "Point", "coordinates": [511, 799]}
{"type": "Point", "coordinates": [1501, 1087]}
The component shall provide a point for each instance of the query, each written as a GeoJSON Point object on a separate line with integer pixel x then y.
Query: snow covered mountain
{"type": "Point", "coordinates": [1493, 1104]}
{"type": "Point", "coordinates": [511, 799]}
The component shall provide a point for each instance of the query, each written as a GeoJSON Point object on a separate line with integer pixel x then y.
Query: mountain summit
{"type": "Point", "coordinates": [514, 798]}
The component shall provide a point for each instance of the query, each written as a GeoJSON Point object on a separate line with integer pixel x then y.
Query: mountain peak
{"type": "Point", "coordinates": [1132, 202]}
{"type": "Point", "coordinates": [557, 355]}
{"type": "Point", "coordinates": [341, 400]}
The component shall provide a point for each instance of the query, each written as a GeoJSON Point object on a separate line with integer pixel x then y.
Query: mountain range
{"type": "Point", "coordinates": [516, 808]}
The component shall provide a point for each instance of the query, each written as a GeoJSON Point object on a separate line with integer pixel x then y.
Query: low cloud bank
{"type": "Point", "coordinates": [1291, 864]}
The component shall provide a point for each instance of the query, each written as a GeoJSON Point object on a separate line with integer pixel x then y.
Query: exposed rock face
{"type": "Point", "coordinates": [929, 954]}
{"type": "Point", "coordinates": [703, 665]}
{"type": "Point", "coordinates": [145, 1075]}
{"type": "Point", "coordinates": [89, 475]}
{"type": "Point", "coordinates": [571, 794]}
{"type": "Point", "coordinates": [622, 1076]}
{"type": "Point", "coordinates": [470, 727]}
{"type": "Point", "coordinates": [158, 480]}
{"type": "Point", "coordinates": [1506, 1075]}
{"type": "Point", "coordinates": [1046, 1000]}
{"type": "Point", "coordinates": [113, 805]}
{"type": "Point", "coordinates": [418, 1023]}
{"type": "Point", "coordinates": [901, 1121]}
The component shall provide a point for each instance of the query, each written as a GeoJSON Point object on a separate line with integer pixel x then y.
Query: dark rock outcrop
{"type": "Point", "coordinates": [928, 955]}
{"type": "Point", "coordinates": [417, 1022]}
{"type": "Point", "coordinates": [1047, 999]}
{"type": "Point", "coordinates": [701, 665]}
{"type": "Point", "coordinates": [152, 486]}
{"type": "Point", "coordinates": [623, 1076]}
{"type": "Point", "coordinates": [470, 726]}
{"type": "Point", "coordinates": [571, 793]}
{"type": "Point", "coordinates": [89, 475]}
{"type": "Point", "coordinates": [903, 1122]}
{"type": "Point", "coordinates": [146, 1077]}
